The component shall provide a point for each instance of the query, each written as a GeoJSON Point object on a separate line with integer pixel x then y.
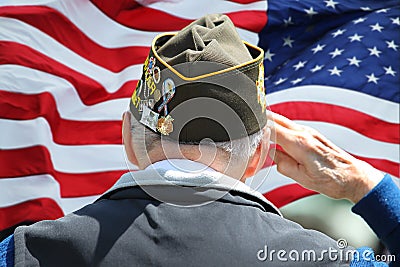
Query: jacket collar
{"type": "Point", "coordinates": [179, 172]}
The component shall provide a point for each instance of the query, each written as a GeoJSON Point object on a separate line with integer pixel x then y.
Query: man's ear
{"type": "Point", "coordinates": [127, 138]}
{"type": "Point", "coordinates": [256, 162]}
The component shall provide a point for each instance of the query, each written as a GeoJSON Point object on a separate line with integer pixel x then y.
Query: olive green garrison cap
{"type": "Point", "coordinates": [202, 82]}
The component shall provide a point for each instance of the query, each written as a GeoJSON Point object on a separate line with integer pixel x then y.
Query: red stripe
{"type": "Point", "coordinates": [387, 166]}
{"type": "Point", "coordinates": [390, 167]}
{"type": "Point", "coordinates": [144, 18]}
{"type": "Point", "coordinates": [253, 21]}
{"type": "Point", "coordinates": [30, 211]}
{"type": "Point", "coordinates": [243, 2]}
{"type": "Point", "coordinates": [86, 184]}
{"type": "Point", "coordinates": [288, 193]}
{"type": "Point", "coordinates": [90, 91]}
{"type": "Point", "coordinates": [36, 160]}
{"type": "Point", "coordinates": [362, 123]}
{"type": "Point", "coordinates": [268, 161]}
{"type": "Point", "coordinates": [113, 59]}
{"type": "Point", "coordinates": [148, 19]}
{"type": "Point", "coordinates": [17, 106]}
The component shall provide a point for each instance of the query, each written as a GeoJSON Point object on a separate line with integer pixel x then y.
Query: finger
{"type": "Point", "coordinates": [289, 167]}
{"type": "Point", "coordinates": [325, 141]}
{"type": "Point", "coordinates": [283, 121]}
{"type": "Point", "coordinates": [294, 143]}
{"type": "Point", "coordinates": [286, 165]}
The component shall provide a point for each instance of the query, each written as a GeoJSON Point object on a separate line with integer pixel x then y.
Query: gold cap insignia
{"type": "Point", "coordinates": [164, 125]}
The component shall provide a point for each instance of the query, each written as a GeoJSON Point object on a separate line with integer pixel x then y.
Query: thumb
{"type": "Point", "coordinates": [286, 165]}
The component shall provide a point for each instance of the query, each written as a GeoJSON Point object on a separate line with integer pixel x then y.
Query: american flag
{"type": "Point", "coordinates": [68, 68]}
{"type": "Point", "coordinates": [334, 65]}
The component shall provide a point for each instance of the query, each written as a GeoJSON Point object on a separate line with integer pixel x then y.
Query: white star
{"type": "Point", "coordinates": [287, 41]}
{"type": "Point", "coordinates": [389, 71]}
{"type": "Point", "coordinates": [336, 53]}
{"type": "Point", "coordinates": [299, 65]}
{"type": "Point", "coordinates": [392, 45]}
{"type": "Point", "coordinates": [396, 20]}
{"type": "Point", "coordinates": [310, 12]}
{"type": "Point", "coordinates": [354, 61]}
{"type": "Point", "coordinates": [298, 80]}
{"type": "Point", "coordinates": [365, 8]}
{"type": "Point", "coordinates": [281, 80]}
{"type": "Point", "coordinates": [374, 51]}
{"type": "Point", "coordinates": [338, 32]}
{"type": "Point", "coordinates": [359, 20]}
{"type": "Point", "coordinates": [335, 71]}
{"type": "Point", "coordinates": [288, 21]}
{"type": "Point", "coordinates": [383, 10]}
{"type": "Point", "coordinates": [355, 37]}
{"type": "Point", "coordinates": [331, 3]}
{"type": "Point", "coordinates": [268, 55]}
{"type": "Point", "coordinates": [318, 48]}
{"type": "Point", "coordinates": [376, 27]}
{"type": "Point", "coordinates": [317, 68]}
{"type": "Point", "coordinates": [372, 78]}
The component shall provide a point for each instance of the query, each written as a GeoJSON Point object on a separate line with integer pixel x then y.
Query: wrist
{"type": "Point", "coordinates": [370, 178]}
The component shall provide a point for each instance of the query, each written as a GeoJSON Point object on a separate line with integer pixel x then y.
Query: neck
{"type": "Point", "coordinates": [210, 157]}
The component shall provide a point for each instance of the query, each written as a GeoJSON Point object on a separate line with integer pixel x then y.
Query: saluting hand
{"type": "Point", "coordinates": [316, 163]}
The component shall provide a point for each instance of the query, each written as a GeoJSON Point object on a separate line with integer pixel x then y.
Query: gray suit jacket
{"type": "Point", "coordinates": [172, 218]}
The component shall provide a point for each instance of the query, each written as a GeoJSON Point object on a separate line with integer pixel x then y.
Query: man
{"type": "Point", "coordinates": [197, 128]}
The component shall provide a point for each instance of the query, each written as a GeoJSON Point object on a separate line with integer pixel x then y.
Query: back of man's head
{"type": "Point", "coordinates": [201, 88]}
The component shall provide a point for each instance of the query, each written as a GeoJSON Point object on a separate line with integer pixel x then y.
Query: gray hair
{"type": "Point", "coordinates": [241, 149]}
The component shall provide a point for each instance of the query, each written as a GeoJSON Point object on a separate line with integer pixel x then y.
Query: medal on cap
{"type": "Point", "coordinates": [156, 74]}
{"type": "Point", "coordinates": [150, 67]}
{"type": "Point", "coordinates": [157, 95]}
{"type": "Point", "coordinates": [168, 92]}
{"type": "Point", "coordinates": [164, 125]}
{"type": "Point", "coordinates": [149, 118]}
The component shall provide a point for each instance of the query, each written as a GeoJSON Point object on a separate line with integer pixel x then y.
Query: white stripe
{"type": "Point", "coordinates": [373, 106]}
{"type": "Point", "coordinates": [248, 36]}
{"type": "Point", "coordinates": [30, 81]}
{"type": "Point", "coordinates": [21, 189]}
{"type": "Point", "coordinates": [18, 190]}
{"type": "Point", "coordinates": [89, 158]}
{"type": "Point", "coordinates": [17, 31]}
{"type": "Point", "coordinates": [65, 158]}
{"type": "Point", "coordinates": [72, 204]}
{"type": "Point", "coordinates": [195, 9]}
{"type": "Point", "coordinates": [268, 179]}
{"type": "Point", "coordinates": [396, 180]}
{"type": "Point", "coordinates": [87, 17]}
{"type": "Point", "coordinates": [19, 79]}
{"type": "Point", "coordinates": [355, 143]}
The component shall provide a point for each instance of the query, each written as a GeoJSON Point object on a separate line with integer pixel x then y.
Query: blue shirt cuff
{"type": "Point", "coordinates": [364, 257]}
{"type": "Point", "coordinates": [380, 208]}
{"type": "Point", "coordinates": [7, 252]}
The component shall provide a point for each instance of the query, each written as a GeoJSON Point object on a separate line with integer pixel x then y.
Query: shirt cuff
{"type": "Point", "coordinates": [7, 251]}
{"type": "Point", "coordinates": [380, 208]}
